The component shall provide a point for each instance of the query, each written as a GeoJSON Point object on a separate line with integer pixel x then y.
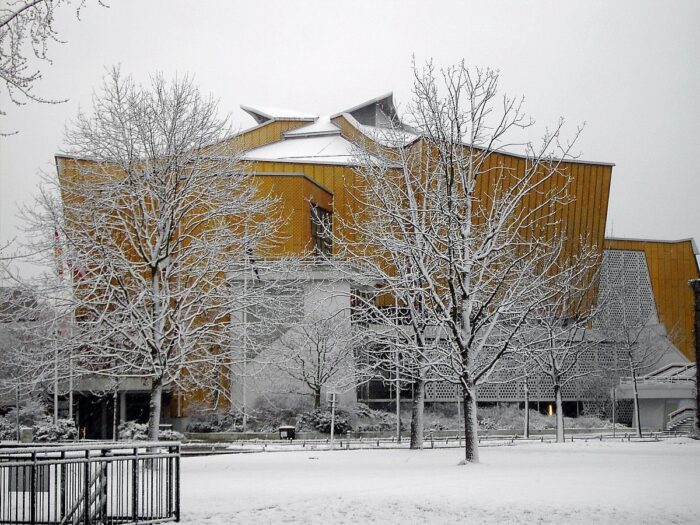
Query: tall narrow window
{"type": "Point", "coordinates": [321, 228]}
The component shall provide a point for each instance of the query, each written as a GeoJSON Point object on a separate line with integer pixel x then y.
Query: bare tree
{"type": "Point", "coordinates": [28, 366]}
{"type": "Point", "coordinates": [319, 353]}
{"type": "Point", "coordinates": [480, 257]}
{"type": "Point", "coordinates": [630, 327]}
{"type": "Point", "coordinates": [556, 338]}
{"type": "Point", "coordinates": [156, 218]}
{"type": "Point", "coordinates": [28, 26]}
{"type": "Point", "coordinates": [389, 236]}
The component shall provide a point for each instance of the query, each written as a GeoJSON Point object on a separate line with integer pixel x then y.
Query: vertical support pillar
{"type": "Point", "coordinates": [122, 407]}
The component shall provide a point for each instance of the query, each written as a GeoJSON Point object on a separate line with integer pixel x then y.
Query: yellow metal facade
{"type": "Point", "coordinates": [298, 185]}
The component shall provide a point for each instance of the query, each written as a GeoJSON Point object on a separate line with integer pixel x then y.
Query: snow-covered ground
{"type": "Point", "coordinates": [578, 482]}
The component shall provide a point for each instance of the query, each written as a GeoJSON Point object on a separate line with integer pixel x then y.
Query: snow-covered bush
{"type": "Point", "coordinates": [132, 431]}
{"type": "Point", "coordinates": [270, 413]}
{"type": "Point", "coordinates": [215, 422]}
{"type": "Point", "coordinates": [31, 413]}
{"type": "Point", "coordinates": [34, 415]}
{"type": "Point", "coordinates": [65, 430]}
{"type": "Point", "coordinates": [368, 420]}
{"type": "Point", "coordinates": [8, 429]}
{"type": "Point", "coordinates": [320, 420]}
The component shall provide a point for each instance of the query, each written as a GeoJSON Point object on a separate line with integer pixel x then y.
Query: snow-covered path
{"type": "Point", "coordinates": [530, 483]}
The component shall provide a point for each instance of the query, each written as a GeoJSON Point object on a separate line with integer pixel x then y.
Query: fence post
{"type": "Point", "coordinates": [86, 489]}
{"type": "Point", "coordinates": [171, 479]}
{"type": "Point", "coordinates": [135, 485]}
{"type": "Point", "coordinates": [62, 511]}
{"type": "Point", "coordinates": [177, 485]}
{"type": "Point", "coordinates": [32, 495]}
{"type": "Point", "coordinates": [103, 488]}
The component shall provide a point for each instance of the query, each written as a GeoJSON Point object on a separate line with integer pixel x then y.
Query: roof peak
{"type": "Point", "coordinates": [263, 114]}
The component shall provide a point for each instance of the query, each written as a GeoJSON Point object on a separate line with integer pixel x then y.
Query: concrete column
{"type": "Point", "coordinates": [122, 407]}
{"type": "Point", "coordinates": [695, 285]}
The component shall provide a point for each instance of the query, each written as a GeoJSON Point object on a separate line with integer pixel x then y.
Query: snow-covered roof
{"type": "Point", "coordinates": [388, 136]}
{"type": "Point", "coordinates": [387, 99]}
{"type": "Point", "coordinates": [673, 371]}
{"type": "Point", "coordinates": [320, 140]}
{"type": "Point", "coordinates": [264, 113]}
{"type": "Point", "coordinates": [322, 126]}
{"type": "Point", "coordinates": [320, 149]}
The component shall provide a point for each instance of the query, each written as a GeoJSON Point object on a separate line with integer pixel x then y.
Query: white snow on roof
{"type": "Point", "coordinates": [375, 100]}
{"type": "Point", "coordinates": [322, 149]}
{"type": "Point", "coordinates": [392, 137]}
{"type": "Point", "coordinates": [674, 370]}
{"type": "Point", "coordinates": [269, 113]}
{"type": "Point", "coordinates": [322, 126]}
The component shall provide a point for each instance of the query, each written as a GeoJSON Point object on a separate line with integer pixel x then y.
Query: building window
{"type": "Point", "coordinates": [321, 229]}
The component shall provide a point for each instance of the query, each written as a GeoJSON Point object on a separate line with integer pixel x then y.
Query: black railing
{"type": "Point", "coordinates": [90, 484]}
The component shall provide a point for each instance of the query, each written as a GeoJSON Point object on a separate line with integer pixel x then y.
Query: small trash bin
{"type": "Point", "coordinates": [288, 432]}
{"type": "Point", "coordinates": [26, 434]}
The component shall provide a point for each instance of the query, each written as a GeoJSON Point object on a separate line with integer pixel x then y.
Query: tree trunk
{"type": "Point", "coordinates": [154, 408]}
{"type": "Point", "coordinates": [17, 413]}
{"type": "Point", "coordinates": [526, 431]}
{"type": "Point", "coordinates": [560, 413]}
{"type": "Point", "coordinates": [115, 419]}
{"type": "Point", "coordinates": [317, 399]}
{"type": "Point", "coordinates": [471, 428]}
{"type": "Point", "coordinates": [638, 426]}
{"type": "Point", "coordinates": [417, 407]}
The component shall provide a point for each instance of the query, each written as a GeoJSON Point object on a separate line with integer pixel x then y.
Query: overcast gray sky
{"type": "Point", "coordinates": [629, 69]}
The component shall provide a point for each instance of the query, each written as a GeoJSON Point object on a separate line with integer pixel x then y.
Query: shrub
{"type": "Point", "coordinates": [320, 420]}
{"type": "Point", "coordinates": [63, 431]}
{"type": "Point", "coordinates": [8, 429]}
{"type": "Point", "coordinates": [215, 422]}
{"type": "Point", "coordinates": [132, 431]}
{"type": "Point", "coordinates": [31, 413]}
{"type": "Point", "coordinates": [369, 420]}
{"type": "Point", "coordinates": [270, 413]}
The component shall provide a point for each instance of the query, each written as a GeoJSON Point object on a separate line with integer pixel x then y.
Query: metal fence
{"type": "Point", "coordinates": [90, 484]}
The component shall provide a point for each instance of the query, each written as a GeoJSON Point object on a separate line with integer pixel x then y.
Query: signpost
{"type": "Point", "coordinates": [332, 401]}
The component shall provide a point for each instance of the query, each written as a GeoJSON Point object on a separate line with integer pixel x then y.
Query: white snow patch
{"type": "Point", "coordinates": [279, 113]}
{"type": "Point", "coordinates": [322, 126]}
{"type": "Point", "coordinates": [540, 483]}
{"type": "Point", "coordinates": [324, 149]}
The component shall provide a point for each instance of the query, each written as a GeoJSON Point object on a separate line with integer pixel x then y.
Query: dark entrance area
{"type": "Point", "coordinates": [95, 416]}
{"type": "Point", "coordinates": [137, 407]}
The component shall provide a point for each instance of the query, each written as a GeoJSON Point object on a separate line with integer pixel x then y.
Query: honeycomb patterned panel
{"type": "Point", "coordinates": [596, 371]}
{"type": "Point", "coordinates": [625, 289]}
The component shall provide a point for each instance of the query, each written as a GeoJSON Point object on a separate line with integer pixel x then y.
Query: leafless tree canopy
{"type": "Point", "coordinates": [150, 233]}
{"type": "Point", "coordinates": [449, 231]}
{"type": "Point", "coordinates": [27, 29]}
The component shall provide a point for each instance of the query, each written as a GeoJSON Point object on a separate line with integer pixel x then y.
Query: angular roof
{"type": "Point", "coordinates": [673, 371]}
{"type": "Point", "coordinates": [264, 113]}
{"type": "Point", "coordinates": [322, 126]}
{"type": "Point", "coordinates": [376, 119]}
{"type": "Point", "coordinates": [324, 148]}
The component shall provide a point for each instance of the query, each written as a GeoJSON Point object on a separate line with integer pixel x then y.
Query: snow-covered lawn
{"type": "Point", "coordinates": [529, 483]}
